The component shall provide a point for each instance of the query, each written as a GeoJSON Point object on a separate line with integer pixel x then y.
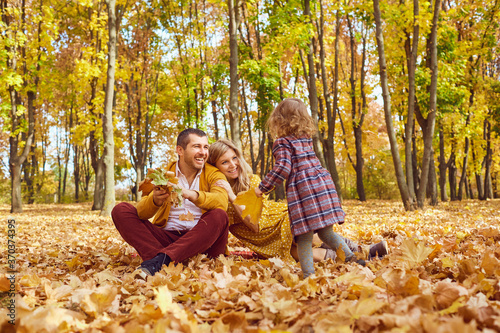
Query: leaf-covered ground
{"type": "Point", "coordinates": [442, 275]}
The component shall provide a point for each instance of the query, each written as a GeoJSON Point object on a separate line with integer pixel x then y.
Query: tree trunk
{"type": "Point", "coordinates": [234, 115]}
{"type": "Point", "coordinates": [29, 169]}
{"type": "Point", "coordinates": [411, 55]}
{"type": "Point", "coordinates": [452, 176]}
{"type": "Point", "coordinates": [431, 183]}
{"type": "Point", "coordinates": [16, 160]}
{"type": "Point", "coordinates": [488, 158]}
{"type": "Point", "coordinates": [477, 174]}
{"type": "Point", "coordinates": [108, 155]}
{"type": "Point", "coordinates": [66, 162]}
{"type": "Point", "coordinates": [16, 157]}
{"type": "Point", "coordinates": [357, 117]}
{"type": "Point", "coordinates": [468, 188]}
{"type": "Point", "coordinates": [442, 165]}
{"type": "Point", "coordinates": [358, 133]}
{"type": "Point", "coordinates": [414, 161]}
{"type": "Point", "coordinates": [76, 171]}
{"type": "Point", "coordinates": [479, 185]}
{"type": "Point", "coordinates": [99, 186]}
{"type": "Point", "coordinates": [213, 102]}
{"type": "Point", "coordinates": [431, 117]}
{"type": "Point", "coordinates": [86, 166]}
{"type": "Point", "coordinates": [465, 161]}
{"type": "Point", "coordinates": [59, 167]}
{"type": "Point", "coordinates": [403, 188]}
{"type": "Point", "coordinates": [247, 114]}
{"type": "Point", "coordinates": [313, 93]}
{"type": "Point", "coordinates": [331, 114]}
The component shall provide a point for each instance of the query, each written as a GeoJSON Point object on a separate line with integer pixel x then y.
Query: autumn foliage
{"type": "Point", "coordinates": [75, 273]}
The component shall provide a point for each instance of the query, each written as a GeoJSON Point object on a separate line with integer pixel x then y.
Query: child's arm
{"type": "Point", "coordinates": [282, 152]}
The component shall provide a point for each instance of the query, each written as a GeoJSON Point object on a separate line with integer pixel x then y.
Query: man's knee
{"type": "Point", "coordinates": [220, 217]}
{"type": "Point", "coordinates": [119, 210]}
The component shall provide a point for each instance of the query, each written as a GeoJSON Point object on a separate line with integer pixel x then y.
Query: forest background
{"type": "Point", "coordinates": [405, 94]}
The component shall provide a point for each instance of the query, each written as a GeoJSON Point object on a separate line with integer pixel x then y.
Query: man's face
{"type": "Point", "coordinates": [196, 153]}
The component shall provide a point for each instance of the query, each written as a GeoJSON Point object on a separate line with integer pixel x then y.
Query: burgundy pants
{"type": "Point", "coordinates": [208, 236]}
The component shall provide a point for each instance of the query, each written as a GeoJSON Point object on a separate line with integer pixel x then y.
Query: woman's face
{"type": "Point", "coordinates": [229, 165]}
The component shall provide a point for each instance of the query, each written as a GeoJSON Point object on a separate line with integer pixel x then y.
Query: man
{"type": "Point", "coordinates": [174, 235]}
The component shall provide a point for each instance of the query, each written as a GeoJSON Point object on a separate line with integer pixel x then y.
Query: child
{"type": "Point", "coordinates": [313, 204]}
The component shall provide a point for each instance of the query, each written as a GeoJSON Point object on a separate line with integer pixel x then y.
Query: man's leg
{"type": "Point", "coordinates": [146, 238]}
{"type": "Point", "coordinates": [209, 236]}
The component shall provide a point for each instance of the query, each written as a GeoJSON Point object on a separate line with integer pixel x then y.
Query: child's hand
{"type": "Point", "coordinates": [258, 192]}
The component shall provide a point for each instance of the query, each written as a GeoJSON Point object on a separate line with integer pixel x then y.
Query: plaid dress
{"type": "Point", "coordinates": [313, 202]}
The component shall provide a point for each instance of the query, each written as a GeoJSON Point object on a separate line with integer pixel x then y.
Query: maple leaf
{"type": "Point", "coordinates": [104, 298]}
{"type": "Point", "coordinates": [251, 204]}
{"type": "Point", "coordinates": [53, 319]}
{"type": "Point", "coordinates": [414, 253]}
{"type": "Point", "coordinates": [490, 264]}
{"type": "Point", "coordinates": [234, 321]}
{"type": "Point", "coordinates": [186, 217]}
{"type": "Point", "coordinates": [365, 307]}
{"type": "Point", "coordinates": [158, 177]}
{"type": "Point", "coordinates": [448, 292]}
{"type": "Point", "coordinates": [163, 298]}
{"type": "Point", "coordinates": [4, 283]}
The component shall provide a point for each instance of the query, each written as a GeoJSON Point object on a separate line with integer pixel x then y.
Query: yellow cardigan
{"type": "Point", "coordinates": [209, 197]}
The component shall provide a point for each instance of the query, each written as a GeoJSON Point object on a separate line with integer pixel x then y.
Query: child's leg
{"type": "Point", "coordinates": [304, 247]}
{"type": "Point", "coordinates": [334, 241]}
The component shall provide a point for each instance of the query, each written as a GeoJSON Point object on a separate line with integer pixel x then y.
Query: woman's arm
{"type": "Point", "coordinates": [237, 208]}
{"type": "Point", "coordinates": [246, 221]}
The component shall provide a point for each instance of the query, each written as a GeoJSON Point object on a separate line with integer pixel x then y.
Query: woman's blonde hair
{"type": "Point", "coordinates": [218, 149]}
{"type": "Point", "coordinates": [290, 117]}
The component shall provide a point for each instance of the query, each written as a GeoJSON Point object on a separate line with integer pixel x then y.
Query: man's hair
{"type": "Point", "coordinates": [183, 137]}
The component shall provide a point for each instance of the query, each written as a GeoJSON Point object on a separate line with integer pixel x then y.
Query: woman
{"type": "Point", "coordinates": [272, 237]}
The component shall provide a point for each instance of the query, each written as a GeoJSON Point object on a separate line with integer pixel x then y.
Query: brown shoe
{"type": "Point", "coordinates": [378, 250]}
{"type": "Point", "coordinates": [356, 260]}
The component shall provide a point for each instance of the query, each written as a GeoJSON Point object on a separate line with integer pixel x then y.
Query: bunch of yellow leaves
{"type": "Point", "coordinates": [164, 179]}
{"type": "Point", "coordinates": [251, 205]}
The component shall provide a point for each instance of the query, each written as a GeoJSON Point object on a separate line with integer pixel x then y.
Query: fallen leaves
{"type": "Point", "coordinates": [442, 275]}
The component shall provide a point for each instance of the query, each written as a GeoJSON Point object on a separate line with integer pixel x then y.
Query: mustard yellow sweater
{"type": "Point", "coordinates": [210, 197]}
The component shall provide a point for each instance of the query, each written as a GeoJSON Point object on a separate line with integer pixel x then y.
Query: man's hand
{"type": "Point", "coordinates": [160, 196]}
{"type": "Point", "coordinates": [258, 192]}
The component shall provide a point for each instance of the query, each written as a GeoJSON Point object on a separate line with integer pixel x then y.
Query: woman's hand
{"type": "Point", "coordinates": [250, 225]}
{"type": "Point", "coordinates": [225, 185]}
{"type": "Point", "coordinates": [191, 195]}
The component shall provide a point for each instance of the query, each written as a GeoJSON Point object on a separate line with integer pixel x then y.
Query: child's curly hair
{"type": "Point", "coordinates": [290, 117]}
